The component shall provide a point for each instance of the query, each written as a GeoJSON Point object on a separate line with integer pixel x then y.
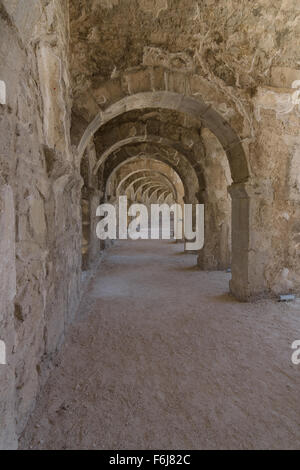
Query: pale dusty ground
{"type": "Point", "coordinates": [161, 357]}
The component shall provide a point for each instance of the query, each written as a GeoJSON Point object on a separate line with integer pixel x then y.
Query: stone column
{"type": "Point", "coordinates": [216, 253]}
{"type": "Point", "coordinates": [94, 242]}
{"type": "Point", "coordinates": [86, 223]}
{"type": "Point", "coordinates": [252, 251]}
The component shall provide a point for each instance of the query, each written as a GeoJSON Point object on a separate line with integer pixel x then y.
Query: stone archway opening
{"type": "Point", "coordinates": [145, 180]}
{"type": "Point", "coordinates": [217, 253]}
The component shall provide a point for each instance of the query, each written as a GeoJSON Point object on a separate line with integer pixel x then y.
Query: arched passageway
{"type": "Point", "coordinates": [107, 98]}
{"type": "Point", "coordinates": [236, 159]}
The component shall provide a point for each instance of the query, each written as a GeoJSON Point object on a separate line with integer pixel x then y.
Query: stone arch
{"type": "Point", "coordinates": [187, 138]}
{"type": "Point", "coordinates": [162, 195]}
{"type": "Point", "coordinates": [158, 190]}
{"type": "Point", "coordinates": [161, 184]}
{"type": "Point", "coordinates": [149, 155]}
{"type": "Point", "coordinates": [143, 171]}
{"type": "Point", "coordinates": [179, 148]}
{"type": "Point", "coordinates": [168, 129]}
{"type": "Point", "coordinates": [196, 108]}
{"type": "Point", "coordinates": [142, 186]}
{"type": "Point", "coordinates": [152, 185]}
{"type": "Point", "coordinates": [231, 143]}
{"type": "Point", "coordinates": [182, 155]}
{"type": "Point", "coordinates": [150, 176]}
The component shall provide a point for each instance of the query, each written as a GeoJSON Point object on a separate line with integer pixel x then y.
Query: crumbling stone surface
{"type": "Point", "coordinates": [7, 294]}
{"type": "Point", "coordinates": [234, 42]}
{"type": "Point", "coordinates": [40, 195]}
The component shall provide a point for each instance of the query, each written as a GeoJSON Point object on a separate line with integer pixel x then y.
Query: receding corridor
{"type": "Point", "coordinates": [161, 356]}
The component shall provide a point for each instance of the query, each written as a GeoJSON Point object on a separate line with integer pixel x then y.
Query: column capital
{"type": "Point", "coordinates": [252, 189]}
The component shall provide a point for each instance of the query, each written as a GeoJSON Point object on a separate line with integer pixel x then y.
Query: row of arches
{"type": "Point", "coordinates": [139, 136]}
{"type": "Point", "coordinates": [144, 112]}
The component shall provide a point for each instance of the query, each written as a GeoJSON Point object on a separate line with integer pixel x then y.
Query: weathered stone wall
{"type": "Point", "coordinates": [216, 253]}
{"type": "Point", "coordinates": [275, 163]}
{"type": "Point", "coordinates": [90, 200]}
{"type": "Point", "coordinates": [40, 203]}
{"type": "Point", "coordinates": [8, 438]}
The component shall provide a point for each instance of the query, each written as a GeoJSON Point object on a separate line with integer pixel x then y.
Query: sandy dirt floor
{"type": "Point", "coordinates": [161, 357]}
